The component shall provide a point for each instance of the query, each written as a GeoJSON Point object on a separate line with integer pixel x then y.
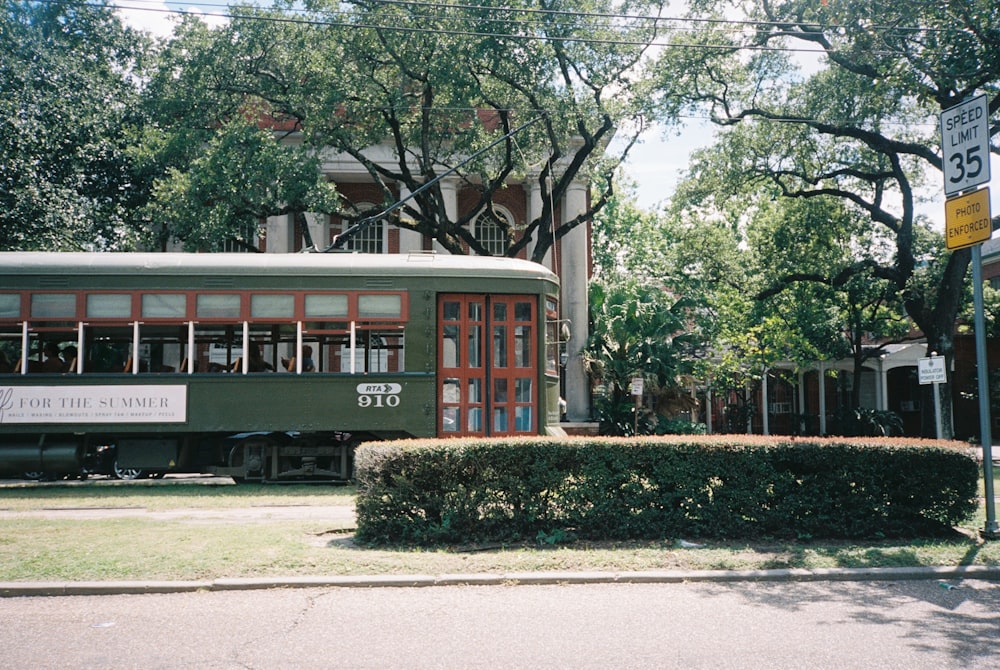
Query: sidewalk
{"type": "Point", "coordinates": [25, 589]}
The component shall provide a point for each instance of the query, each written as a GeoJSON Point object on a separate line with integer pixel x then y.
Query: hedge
{"type": "Point", "coordinates": [737, 486]}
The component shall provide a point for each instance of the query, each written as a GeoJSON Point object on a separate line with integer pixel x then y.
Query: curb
{"type": "Point", "coordinates": [37, 589]}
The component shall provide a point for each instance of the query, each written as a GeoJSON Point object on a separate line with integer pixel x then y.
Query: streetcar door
{"type": "Point", "coordinates": [487, 365]}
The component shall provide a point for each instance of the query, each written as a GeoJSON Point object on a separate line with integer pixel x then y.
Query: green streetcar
{"type": "Point", "coordinates": [265, 367]}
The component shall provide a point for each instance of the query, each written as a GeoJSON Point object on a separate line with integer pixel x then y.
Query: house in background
{"type": "Point", "coordinates": [789, 401]}
{"type": "Point", "coordinates": [518, 204]}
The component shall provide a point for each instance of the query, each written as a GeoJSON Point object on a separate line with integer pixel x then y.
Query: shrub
{"type": "Point", "coordinates": [506, 490]}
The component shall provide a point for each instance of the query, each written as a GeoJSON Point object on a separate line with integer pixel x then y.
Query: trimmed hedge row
{"type": "Point", "coordinates": [460, 491]}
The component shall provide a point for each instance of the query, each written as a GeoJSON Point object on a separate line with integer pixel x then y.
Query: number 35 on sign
{"type": "Point", "coordinates": [965, 137]}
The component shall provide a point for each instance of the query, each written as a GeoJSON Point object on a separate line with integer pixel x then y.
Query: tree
{"type": "Point", "coordinates": [240, 176]}
{"type": "Point", "coordinates": [860, 128]}
{"type": "Point", "coordinates": [642, 325]}
{"type": "Point", "coordinates": [427, 86]}
{"type": "Point", "coordinates": [69, 78]}
{"type": "Point", "coordinates": [219, 164]}
{"type": "Point", "coordinates": [638, 330]}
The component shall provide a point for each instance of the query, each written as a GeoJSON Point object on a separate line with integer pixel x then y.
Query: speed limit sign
{"type": "Point", "coordinates": [965, 137]}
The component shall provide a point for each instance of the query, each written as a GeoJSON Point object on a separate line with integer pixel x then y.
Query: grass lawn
{"type": "Point", "coordinates": [162, 532]}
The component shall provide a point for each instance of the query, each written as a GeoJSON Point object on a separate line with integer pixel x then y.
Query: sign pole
{"type": "Point", "coordinates": [937, 410]}
{"type": "Point", "coordinates": [637, 392]}
{"type": "Point", "coordinates": [965, 146]}
{"type": "Point", "coordinates": [991, 530]}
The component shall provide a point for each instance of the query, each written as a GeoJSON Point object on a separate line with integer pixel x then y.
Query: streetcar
{"type": "Point", "coordinates": [266, 367]}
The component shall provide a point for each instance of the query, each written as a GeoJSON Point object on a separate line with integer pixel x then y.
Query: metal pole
{"type": "Point", "coordinates": [991, 529]}
{"type": "Point", "coordinates": [937, 409]}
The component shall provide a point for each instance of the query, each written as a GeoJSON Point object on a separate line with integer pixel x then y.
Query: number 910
{"type": "Point", "coordinates": [378, 401]}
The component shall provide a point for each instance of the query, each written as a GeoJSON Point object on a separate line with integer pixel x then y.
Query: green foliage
{"type": "Point", "coordinates": [637, 330]}
{"type": "Point", "coordinates": [239, 177]}
{"type": "Point", "coordinates": [677, 426]}
{"type": "Point", "coordinates": [428, 90]}
{"type": "Point", "coordinates": [851, 126]}
{"type": "Point", "coordinates": [69, 78]}
{"type": "Point", "coordinates": [539, 490]}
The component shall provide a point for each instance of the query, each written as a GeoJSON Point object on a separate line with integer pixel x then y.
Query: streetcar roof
{"type": "Point", "coordinates": [319, 264]}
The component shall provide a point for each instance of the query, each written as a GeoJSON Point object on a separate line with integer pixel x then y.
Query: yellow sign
{"type": "Point", "coordinates": [967, 219]}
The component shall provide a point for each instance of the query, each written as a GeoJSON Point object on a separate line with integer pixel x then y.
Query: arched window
{"type": "Point", "coordinates": [371, 238]}
{"type": "Point", "coordinates": [491, 230]}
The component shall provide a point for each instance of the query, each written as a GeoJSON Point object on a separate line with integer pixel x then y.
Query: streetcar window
{"type": "Point", "coordinates": [217, 346]}
{"type": "Point", "coordinates": [10, 306]}
{"type": "Point", "coordinates": [10, 350]}
{"type": "Point", "coordinates": [107, 348]}
{"type": "Point", "coordinates": [450, 419]}
{"type": "Point", "coordinates": [500, 390]}
{"type": "Point", "coordinates": [162, 348]}
{"type": "Point", "coordinates": [552, 347]}
{"type": "Point", "coordinates": [499, 346]}
{"type": "Point", "coordinates": [522, 311]}
{"type": "Point", "coordinates": [552, 337]}
{"type": "Point", "coordinates": [475, 419]}
{"type": "Point", "coordinates": [380, 306]}
{"type": "Point", "coordinates": [218, 305]}
{"type": "Point", "coordinates": [164, 305]}
{"type": "Point", "coordinates": [263, 305]}
{"type": "Point", "coordinates": [522, 347]}
{"type": "Point", "coordinates": [475, 336]}
{"type": "Point", "coordinates": [109, 306]}
{"type": "Point", "coordinates": [500, 419]}
{"type": "Point", "coordinates": [522, 389]}
{"type": "Point", "coordinates": [375, 350]}
{"type": "Point", "coordinates": [450, 351]}
{"type": "Point", "coordinates": [320, 306]}
{"type": "Point", "coordinates": [451, 310]}
{"type": "Point", "coordinates": [522, 419]}
{"type": "Point", "coordinates": [53, 305]}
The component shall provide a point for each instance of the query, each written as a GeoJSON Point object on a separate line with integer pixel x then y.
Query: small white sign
{"type": "Point", "coordinates": [164, 403]}
{"type": "Point", "coordinates": [637, 386]}
{"type": "Point", "coordinates": [379, 395]}
{"type": "Point", "coordinates": [931, 370]}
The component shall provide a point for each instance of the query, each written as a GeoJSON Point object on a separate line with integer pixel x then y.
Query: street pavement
{"type": "Point", "coordinates": [903, 624]}
{"type": "Point", "coordinates": [906, 618]}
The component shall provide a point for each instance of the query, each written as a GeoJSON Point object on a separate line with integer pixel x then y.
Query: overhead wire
{"type": "Point", "coordinates": [658, 23]}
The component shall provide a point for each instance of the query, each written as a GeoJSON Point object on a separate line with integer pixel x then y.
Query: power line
{"type": "Point", "coordinates": [604, 15]}
{"type": "Point", "coordinates": [293, 16]}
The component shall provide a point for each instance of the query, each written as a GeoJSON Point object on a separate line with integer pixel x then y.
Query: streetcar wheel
{"type": "Point", "coordinates": [128, 473]}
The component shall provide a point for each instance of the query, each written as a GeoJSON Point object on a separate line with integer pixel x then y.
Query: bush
{"type": "Point", "coordinates": [458, 491]}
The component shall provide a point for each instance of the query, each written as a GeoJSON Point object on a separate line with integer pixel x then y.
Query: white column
{"type": "Point", "coordinates": [574, 277]}
{"type": "Point", "coordinates": [708, 410]}
{"type": "Point", "coordinates": [449, 193]}
{"type": "Point", "coordinates": [280, 234]}
{"type": "Point", "coordinates": [883, 384]}
{"type": "Point", "coordinates": [535, 205]}
{"type": "Point", "coordinates": [319, 229]}
{"type": "Point", "coordinates": [409, 240]}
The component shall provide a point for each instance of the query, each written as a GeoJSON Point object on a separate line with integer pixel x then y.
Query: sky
{"type": "Point", "coordinates": [655, 165]}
